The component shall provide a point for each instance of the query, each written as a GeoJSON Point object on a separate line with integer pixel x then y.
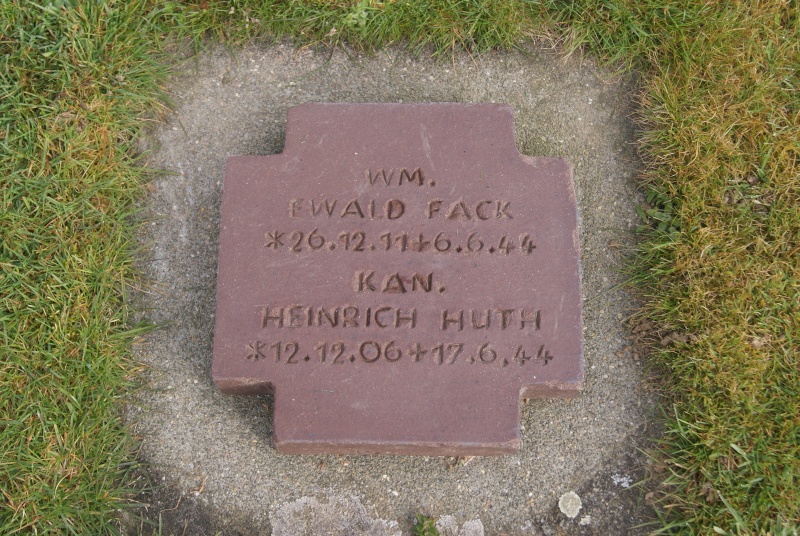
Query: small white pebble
{"type": "Point", "coordinates": [570, 504]}
{"type": "Point", "coordinates": [622, 480]}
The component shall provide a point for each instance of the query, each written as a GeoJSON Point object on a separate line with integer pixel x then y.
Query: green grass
{"type": "Point", "coordinates": [724, 140]}
{"type": "Point", "coordinates": [721, 113]}
{"type": "Point", "coordinates": [72, 84]}
{"type": "Point", "coordinates": [721, 136]}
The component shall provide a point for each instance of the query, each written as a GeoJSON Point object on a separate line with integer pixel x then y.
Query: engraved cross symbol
{"type": "Point", "coordinates": [254, 350]}
{"type": "Point", "coordinates": [417, 352]}
{"type": "Point", "coordinates": [274, 240]}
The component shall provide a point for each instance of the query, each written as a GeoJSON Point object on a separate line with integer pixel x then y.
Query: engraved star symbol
{"type": "Point", "coordinates": [274, 240]}
{"type": "Point", "coordinates": [417, 352]}
{"type": "Point", "coordinates": [254, 350]}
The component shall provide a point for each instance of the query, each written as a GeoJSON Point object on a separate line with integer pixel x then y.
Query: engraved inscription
{"type": "Point", "coordinates": [348, 209]}
{"type": "Point", "coordinates": [460, 210]}
{"type": "Point", "coordinates": [374, 351]}
{"type": "Point", "coordinates": [370, 281]}
{"type": "Point", "coordinates": [502, 319]}
{"type": "Point", "coordinates": [394, 283]}
{"type": "Point", "coordinates": [342, 316]}
{"type": "Point", "coordinates": [298, 241]}
{"type": "Point", "coordinates": [381, 177]}
{"type": "Point", "coordinates": [367, 281]}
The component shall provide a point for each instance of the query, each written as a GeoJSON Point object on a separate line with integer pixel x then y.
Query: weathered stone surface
{"type": "Point", "coordinates": [400, 276]}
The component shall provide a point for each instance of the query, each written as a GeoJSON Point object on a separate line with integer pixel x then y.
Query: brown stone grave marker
{"type": "Point", "coordinates": [400, 277]}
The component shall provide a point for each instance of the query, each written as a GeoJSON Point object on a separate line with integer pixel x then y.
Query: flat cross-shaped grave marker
{"type": "Point", "coordinates": [400, 277]}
